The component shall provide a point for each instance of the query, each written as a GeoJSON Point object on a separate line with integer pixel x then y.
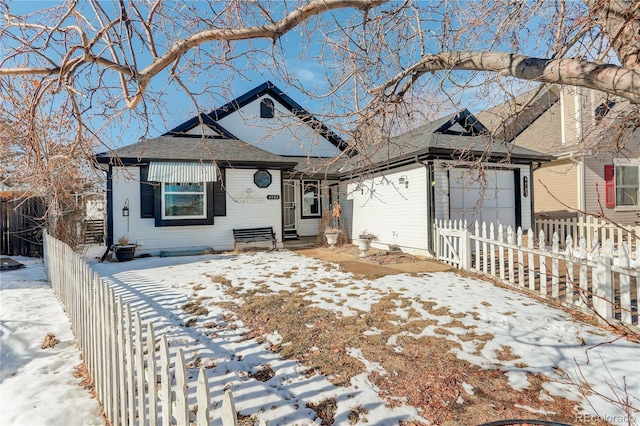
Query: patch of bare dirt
{"type": "Point", "coordinates": [195, 307]}
{"type": "Point", "coordinates": [424, 372]}
{"type": "Point", "coordinates": [263, 374]}
{"type": "Point", "coordinates": [325, 409]}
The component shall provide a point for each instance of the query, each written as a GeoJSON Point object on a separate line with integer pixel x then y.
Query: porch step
{"type": "Point", "coordinates": [291, 235]}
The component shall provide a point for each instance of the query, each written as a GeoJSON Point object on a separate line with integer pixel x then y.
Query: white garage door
{"type": "Point", "coordinates": [487, 196]}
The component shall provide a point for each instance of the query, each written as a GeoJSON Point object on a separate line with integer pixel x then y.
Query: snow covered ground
{"type": "Point", "coordinates": [545, 339]}
{"type": "Point", "coordinates": [37, 386]}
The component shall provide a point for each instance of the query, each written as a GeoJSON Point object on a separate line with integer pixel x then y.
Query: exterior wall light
{"type": "Point", "coordinates": [404, 180]}
{"type": "Point", "coordinates": [125, 208]}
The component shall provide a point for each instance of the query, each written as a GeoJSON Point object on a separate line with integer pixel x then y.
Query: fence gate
{"type": "Point", "coordinates": [452, 243]}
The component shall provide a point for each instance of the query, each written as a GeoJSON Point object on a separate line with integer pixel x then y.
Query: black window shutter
{"type": "Point", "coordinates": [219, 196]}
{"type": "Point", "coordinates": [146, 194]}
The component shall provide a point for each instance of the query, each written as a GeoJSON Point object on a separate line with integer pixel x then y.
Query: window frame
{"type": "Point", "coordinates": [311, 183]}
{"type": "Point", "coordinates": [267, 108]}
{"type": "Point", "coordinates": [202, 193]}
{"type": "Point", "coordinates": [161, 221]}
{"type": "Point", "coordinates": [260, 173]}
{"type": "Point", "coordinates": [626, 163]}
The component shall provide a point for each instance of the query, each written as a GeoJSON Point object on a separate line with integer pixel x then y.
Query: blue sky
{"type": "Point", "coordinates": [302, 63]}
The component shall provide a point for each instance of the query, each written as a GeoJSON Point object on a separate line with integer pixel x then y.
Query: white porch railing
{"type": "Point", "coordinates": [591, 228]}
{"type": "Point", "coordinates": [591, 280]}
{"type": "Point", "coordinates": [135, 382]}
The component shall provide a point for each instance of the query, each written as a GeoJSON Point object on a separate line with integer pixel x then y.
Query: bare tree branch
{"type": "Point", "coordinates": [604, 77]}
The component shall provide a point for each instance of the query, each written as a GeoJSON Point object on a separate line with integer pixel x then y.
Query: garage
{"type": "Point", "coordinates": [484, 195]}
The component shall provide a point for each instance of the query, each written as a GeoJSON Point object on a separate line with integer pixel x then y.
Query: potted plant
{"type": "Point", "coordinates": [124, 250]}
{"type": "Point", "coordinates": [332, 235]}
{"type": "Point", "coordinates": [364, 242]}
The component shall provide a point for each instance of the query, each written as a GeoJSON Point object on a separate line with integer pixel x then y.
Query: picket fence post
{"type": "Point", "coordinates": [520, 258]}
{"type": "Point", "coordinates": [501, 251]}
{"type": "Point", "coordinates": [569, 281]}
{"type": "Point", "coordinates": [625, 286]}
{"type": "Point", "coordinates": [465, 248]}
{"type": "Point", "coordinates": [531, 261]}
{"type": "Point", "coordinates": [603, 282]}
{"type": "Point", "coordinates": [510, 255]}
{"type": "Point", "coordinates": [555, 266]}
{"type": "Point", "coordinates": [543, 263]}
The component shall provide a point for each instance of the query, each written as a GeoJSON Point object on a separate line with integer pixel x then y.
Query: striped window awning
{"type": "Point", "coordinates": [175, 171]}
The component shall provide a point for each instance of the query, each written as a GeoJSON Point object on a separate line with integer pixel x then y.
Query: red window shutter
{"type": "Point", "coordinates": [609, 186]}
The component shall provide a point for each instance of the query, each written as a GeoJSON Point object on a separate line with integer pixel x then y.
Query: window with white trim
{"type": "Point", "coordinates": [311, 200]}
{"type": "Point", "coordinates": [184, 200]}
{"type": "Point", "coordinates": [626, 186]}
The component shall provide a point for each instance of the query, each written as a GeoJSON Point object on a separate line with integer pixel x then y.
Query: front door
{"type": "Point", "coordinates": [289, 208]}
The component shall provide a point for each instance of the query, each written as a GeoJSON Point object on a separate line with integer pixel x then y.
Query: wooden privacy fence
{"type": "Point", "coordinates": [135, 379]}
{"type": "Point", "coordinates": [21, 225]}
{"type": "Point", "coordinates": [591, 228]}
{"type": "Point", "coordinates": [591, 280]}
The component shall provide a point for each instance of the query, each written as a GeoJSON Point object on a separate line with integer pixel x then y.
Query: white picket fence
{"type": "Point", "coordinates": [137, 380]}
{"type": "Point", "coordinates": [591, 228]}
{"type": "Point", "coordinates": [593, 280]}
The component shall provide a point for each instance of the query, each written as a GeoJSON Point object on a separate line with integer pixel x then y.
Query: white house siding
{"type": "Point", "coordinates": [443, 197]}
{"type": "Point", "coordinates": [284, 134]}
{"type": "Point", "coordinates": [396, 214]}
{"type": "Point", "coordinates": [247, 207]}
{"type": "Point", "coordinates": [441, 191]}
{"type": "Point", "coordinates": [346, 204]}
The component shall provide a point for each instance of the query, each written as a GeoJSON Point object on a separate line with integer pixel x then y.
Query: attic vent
{"type": "Point", "coordinates": [266, 108]}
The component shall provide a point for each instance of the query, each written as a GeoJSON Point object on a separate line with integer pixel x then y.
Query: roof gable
{"type": "Point", "coordinates": [209, 128]}
{"type": "Point", "coordinates": [462, 123]}
{"type": "Point", "coordinates": [214, 118]}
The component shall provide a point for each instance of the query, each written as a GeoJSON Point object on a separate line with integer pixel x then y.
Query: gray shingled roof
{"type": "Point", "coordinates": [423, 141]}
{"type": "Point", "coordinates": [178, 148]}
{"type": "Point", "coordinates": [310, 166]}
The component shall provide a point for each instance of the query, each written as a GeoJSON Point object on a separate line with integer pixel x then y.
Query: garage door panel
{"type": "Point", "coordinates": [504, 179]}
{"type": "Point", "coordinates": [506, 198]}
{"type": "Point", "coordinates": [472, 200]}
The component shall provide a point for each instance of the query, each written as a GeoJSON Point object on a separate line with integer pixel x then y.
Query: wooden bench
{"type": "Point", "coordinates": [255, 235]}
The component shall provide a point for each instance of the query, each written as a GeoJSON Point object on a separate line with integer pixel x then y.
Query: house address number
{"type": "Point", "coordinates": [273, 197]}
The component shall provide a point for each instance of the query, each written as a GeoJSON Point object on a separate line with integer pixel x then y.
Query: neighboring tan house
{"type": "Point", "coordinates": [597, 164]}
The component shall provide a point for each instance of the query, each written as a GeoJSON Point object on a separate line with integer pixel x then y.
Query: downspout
{"type": "Point", "coordinates": [563, 129]}
{"type": "Point", "coordinates": [582, 205]}
{"type": "Point", "coordinates": [431, 209]}
{"type": "Point", "coordinates": [109, 239]}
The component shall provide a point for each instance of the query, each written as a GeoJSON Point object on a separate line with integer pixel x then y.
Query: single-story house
{"type": "Point", "coordinates": [596, 163]}
{"type": "Point", "coordinates": [449, 169]}
{"type": "Point", "coordinates": [261, 160]}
